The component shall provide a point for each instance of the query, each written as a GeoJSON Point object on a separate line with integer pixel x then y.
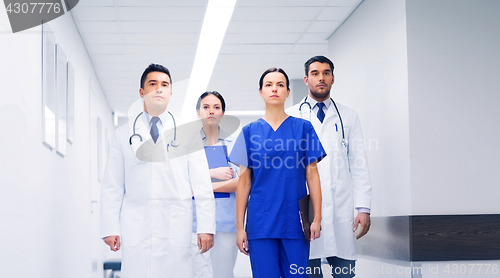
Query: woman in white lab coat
{"type": "Point", "coordinates": [146, 206]}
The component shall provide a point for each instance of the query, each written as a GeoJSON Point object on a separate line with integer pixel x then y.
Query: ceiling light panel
{"type": "Point", "coordinates": [160, 49]}
{"type": "Point", "coordinates": [95, 13]}
{"type": "Point", "coordinates": [255, 48]}
{"type": "Point", "coordinates": [109, 58]}
{"type": "Point", "coordinates": [335, 13]}
{"type": "Point", "coordinates": [275, 13]}
{"type": "Point", "coordinates": [95, 3]}
{"type": "Point", "coordinates": [240, 68]}
{"type": "Point", "coordinates": [324, 26]}
{"type": "Point", "coordinates": [268, 27]}
{"type": "Point", "coordinates": [321, 48]}
{"type": "Point", "coordinates": [103, 38]}
{"type": "Point", "coordinates": [171, 39]}
{"type": "Point", "coordinates": [255, 58]}
{"type": "Point", "coordinates": [313, 38]}
{"type": "Point", "coordinates": [99, 27]}
{"type": "Point", "coordinates": [261, 38]}
{"type": "Point", "coordinates": [281, 3]}
{"type": "Point", "coordinates": [349, 3]}
{"type": "Point", "coordinates": [160, 14]}
{"type": "Point", "coordinates": [163, 27]}
{"type": "Point", "coordinates": [96, 49]}
{"type": "Point", "coordinates": [163, 3]}
{"type": "Point", "coordinates": [147, 58]}
{"type": "Point", "coordinates": [299, 57]}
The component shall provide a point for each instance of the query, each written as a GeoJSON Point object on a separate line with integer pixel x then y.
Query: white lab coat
{"type": "Point", "coordinates": [345, 180]}
{"type": "Point", "coordinates": [149, 205]}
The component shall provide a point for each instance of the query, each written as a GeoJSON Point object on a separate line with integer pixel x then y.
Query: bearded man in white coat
{"type": "Point", "coordinates": [152, 172]}
{"type": "Point", "coordinates": [344, 175]}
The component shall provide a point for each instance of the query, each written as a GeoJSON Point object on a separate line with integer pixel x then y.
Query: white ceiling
{"type": "Point", "coordinates": [124, 36]}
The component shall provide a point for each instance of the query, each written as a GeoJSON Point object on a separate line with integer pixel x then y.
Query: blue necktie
{"type": "Point", "coordinates": [154, 129]}
{"type": "Point", "coordinates": [321, 113]}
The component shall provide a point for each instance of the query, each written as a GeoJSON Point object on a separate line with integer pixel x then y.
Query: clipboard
{"type": "Point", "coordinates": [217, 158]}
{"type": "Point", "coordinates": [306, 213]}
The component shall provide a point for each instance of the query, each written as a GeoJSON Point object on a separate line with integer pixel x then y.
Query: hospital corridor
{"type": "Point", "coordinates": [154, 138]}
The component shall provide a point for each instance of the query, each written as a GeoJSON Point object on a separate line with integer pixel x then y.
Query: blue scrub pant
{"type": "Point", "coordinates": [274, 257]}
{"type": "Point", "coordinates": [340, 268]}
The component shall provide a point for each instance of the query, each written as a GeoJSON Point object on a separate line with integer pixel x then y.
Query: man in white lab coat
{"type": "Point", "coordinates": [344, 175]}
{"type": "Point", "coordinates": [148, 184]}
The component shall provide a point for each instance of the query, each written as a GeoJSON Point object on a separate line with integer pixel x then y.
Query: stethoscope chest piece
{"type": "Point", "coordinates": [174, 143]}
{"type": "Point", "coordinates": [344, 143]}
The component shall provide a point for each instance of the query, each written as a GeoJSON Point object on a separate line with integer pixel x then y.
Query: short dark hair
{"type": "Point", "coordinates": [321, 59]}
{"type": "Point", "coordinates": [153, 68]}
{"type": "Point", "coordinates": [215, 93]}
{"type": "Point", "coordinates": [280, 70]}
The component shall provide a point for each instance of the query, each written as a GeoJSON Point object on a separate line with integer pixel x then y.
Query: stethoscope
{"type": "Point", "coordinates": [344, 141]}
{"type": "Point", "coordinates": [173, 143]}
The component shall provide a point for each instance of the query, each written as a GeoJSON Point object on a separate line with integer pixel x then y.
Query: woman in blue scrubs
{"type": "Point", "coordinates": [220, 260]}
{"type": "Point", "coordinates": [277, 155]}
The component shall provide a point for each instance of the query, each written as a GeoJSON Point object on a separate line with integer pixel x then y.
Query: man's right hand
{"type": "Point", "coordinates": [205, 242]}
{"type": "Point", "coordinates": [222, 173]}
{"type": "Point", "coordinates": [113, 242]}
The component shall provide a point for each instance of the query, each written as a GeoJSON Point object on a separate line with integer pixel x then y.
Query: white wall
{"type": "Point", "coordinates": [369, 53]}
{"type": "Point", "coordinates": [298, 90]}
{"type": "Point", "coordinates": [426, 73]}
{"type": "Point", "coordinates": [44, 198]}
{"type": "Point", "coordinates": [454, 100]}
{"type": "Point", "coordinates": [423, 75]}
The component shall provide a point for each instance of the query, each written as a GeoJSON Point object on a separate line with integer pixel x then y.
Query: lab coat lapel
{"type": "Point", "coordinates": [142, 130]}
{"type": "Point", "coordinates": [330, 113]}
{"type": "Point", "coordinates": [167, 131]}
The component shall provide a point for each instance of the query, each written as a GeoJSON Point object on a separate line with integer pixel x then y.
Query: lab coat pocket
{"type": "Point", "coordinates": [344, 203]}
{"type": "Point", "coordinates": [131, 228]}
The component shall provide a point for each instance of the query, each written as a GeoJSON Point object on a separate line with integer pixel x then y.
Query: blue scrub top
{"type": "Point", "coordinates": [225, 203]}
{"type": "Point", "coordinates": [278, 161]}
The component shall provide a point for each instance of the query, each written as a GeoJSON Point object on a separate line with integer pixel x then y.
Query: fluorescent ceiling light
{"type": "Point", "coordinates": [217, 17]}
